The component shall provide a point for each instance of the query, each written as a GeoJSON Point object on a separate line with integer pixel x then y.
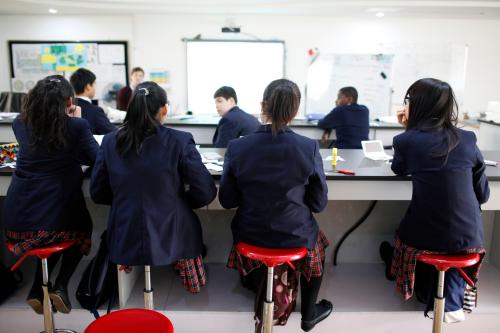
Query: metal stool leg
{"type": "Point", "coordinates": [148, 291]}
{"type": "Point", "coordinates": [48, 319]}
{"type": "Point", "coordinates": [439, 302]}
{"type": "Point", "coordinates": [267, 317]}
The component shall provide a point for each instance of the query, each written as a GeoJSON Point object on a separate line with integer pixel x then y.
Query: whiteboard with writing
{"type": "Point", "coordinates": [370, 74]}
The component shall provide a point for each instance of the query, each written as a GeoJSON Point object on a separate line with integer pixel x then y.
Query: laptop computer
{"type": "Point", "coordinates": [374, 150]}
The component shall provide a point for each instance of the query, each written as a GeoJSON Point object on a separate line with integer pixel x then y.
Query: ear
{"type": "Point", "coordinates": [69, 102]}
{"type": "Point", "coordinates": [164, 110]}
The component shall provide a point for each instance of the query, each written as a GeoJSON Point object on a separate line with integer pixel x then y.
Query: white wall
{"type": "Point", "coordinates": [155, 41]}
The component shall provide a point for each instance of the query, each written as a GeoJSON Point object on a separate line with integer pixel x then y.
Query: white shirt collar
{"type": "Point", "coordinates": [85, 98]}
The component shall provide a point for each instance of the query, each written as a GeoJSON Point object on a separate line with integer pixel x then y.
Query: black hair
{"type": "Point", "coordinates": [44, 110]}
{"type": "Point", "coordinates": [433, 107]}
{"type": "Point", "coordinates": [226, 92]}
{"type": "Point", "coordinates": [281, 102]}
{"type": "Point", "coordinates": [140, 121]}
{"type": "Point", "coordinates": [80, 78]}
{"type": "Point", "coordinates": [136, 69]}
{"type": "Point", "coordinates": [350, 92]}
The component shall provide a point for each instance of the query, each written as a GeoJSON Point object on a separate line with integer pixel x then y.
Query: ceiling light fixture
{"type": "Point", "coordinates": [52, 10]}
{"type": "Point", "coordinates": [380, 14]}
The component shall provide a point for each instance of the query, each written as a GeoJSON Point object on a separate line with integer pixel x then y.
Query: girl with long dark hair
{"type": "Point", "coordinates": [449, 186]}
{"type": "Point", "coordinates": [153, 178]}
{"type": "Point", "coordinates": [45, 203]}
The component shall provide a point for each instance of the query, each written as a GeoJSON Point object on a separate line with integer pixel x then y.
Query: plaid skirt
{"type": "Point", "coordinates": [309, 266]}
{"type": "Point", "coordinates": [27, 240]}
{"type": "Point", "coordinates": [404, 261]}
{"type": "Point", "coordinates": [192, 273]}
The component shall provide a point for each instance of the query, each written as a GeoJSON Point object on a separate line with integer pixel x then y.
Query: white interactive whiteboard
{"type": "Point", "coordinates": [247, 66]}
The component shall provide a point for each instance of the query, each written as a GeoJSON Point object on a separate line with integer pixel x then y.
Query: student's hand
{"type": "Point", "coordinates": [74, 111]}
{"type": "Point", "coordinates": [402, 117]}
{"type": "Point", "coordinates": [325, 136]}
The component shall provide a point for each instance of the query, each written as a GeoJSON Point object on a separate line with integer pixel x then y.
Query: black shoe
{"type": "Point", "coordinates": [35, 299]}
{"type": "Point", "coordinates": [386, 251]}
{"type": "Point", "coordinates": [60, 300]}
{"type": "Point", "coordinates": [322, 310]}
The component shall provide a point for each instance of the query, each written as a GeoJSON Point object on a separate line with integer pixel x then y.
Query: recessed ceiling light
{"type": "Point", "coordinates": [52, 10]}
{"type": "Point", "coordinates": [379, 14]}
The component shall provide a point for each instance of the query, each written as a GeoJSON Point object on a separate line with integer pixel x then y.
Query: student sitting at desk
{"type": "Point", "coordinates": [349, 119]}
{"type": "Point", "coordinates": [83, 81]}
{"type": "Point", "coordinates": [449, 186]}
{"type": "Point", "coordinates": [44, 203]}
{"type": "Point", "coordinates": [125, 93]}
{"type": "Point", "coordinates": [275, 178]}
{"type": "Point", "coordinates": [235, 122]}
{"type": "Point", "coordinates": [153, 178]}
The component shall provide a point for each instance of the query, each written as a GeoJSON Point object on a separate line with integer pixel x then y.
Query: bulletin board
{"type": "Point", "coordinates": [31, 61]}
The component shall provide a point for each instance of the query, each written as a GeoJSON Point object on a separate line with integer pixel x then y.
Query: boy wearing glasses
{"type": "Point", "coordinates": [349, 119]}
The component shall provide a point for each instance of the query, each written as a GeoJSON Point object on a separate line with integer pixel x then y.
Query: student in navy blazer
{"type": "Point", "coordinates": [349, 119]}
{"type": "Point", "coordinates": [83, 82]}
{"type": "Point", "coordinates": [449, 183]}
{"type": "Point", "coordinates": [44, 202]}
{"type": "Point", "coordinates": [234, 122]}
{"type": "Point", "coordinates": [153, 178]}
{"type": "Point", "coordinates": [276, 180]}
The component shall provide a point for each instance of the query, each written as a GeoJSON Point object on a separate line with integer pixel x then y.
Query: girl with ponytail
{"type": "Point", "coordinates": [45, 203]}
{"type": "Point", "coordinates": [153, 178]}
{"type": "Point", "coordinates": [275, 178]}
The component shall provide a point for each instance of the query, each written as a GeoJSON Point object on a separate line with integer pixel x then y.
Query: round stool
{"type": "Point", "coordinates": [442, 263]}
{"type": "Point", "coordinates": [271, 258]}
{"type": "Point", "coordinates": [131, 321]}
{"type": "Point", "coordinates": [43, 253]}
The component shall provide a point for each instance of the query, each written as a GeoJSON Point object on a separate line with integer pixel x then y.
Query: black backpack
{"type": "Point", "coordinates": [9, 282]}
{"type": "Point", "coordinates": [99, 281]}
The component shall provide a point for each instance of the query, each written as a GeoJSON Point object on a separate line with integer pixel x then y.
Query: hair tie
{"type": "Point", "coordinates": [146, 92]}
{"type": "Point", "coordinates": [54, 80]}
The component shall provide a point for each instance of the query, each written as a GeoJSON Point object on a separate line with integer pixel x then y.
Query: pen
{"type": "Point", "coordinates": [345, 172]}
{"type": "Point", "coordinates": [334, 156]}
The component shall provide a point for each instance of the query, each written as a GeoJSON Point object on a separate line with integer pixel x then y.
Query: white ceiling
{"type": "Point", "coordinates": [358, 8]}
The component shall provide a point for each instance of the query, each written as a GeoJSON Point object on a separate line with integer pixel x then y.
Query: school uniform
{"type": "Point", "coordinates": [123, 98]}
{"type": "Point", "coordinates": [45, 193]}
{"type": "Point", "coordinates": [444, 214]}
{"type": "Point", "coordinates": [351, 124]}
{"type": "Point", "coordinates": [233, 124]}
{"type": "Point", "coordinates": [98, 121]}
{"type": "Point", "coordinates": [276, 183]}
{"type": "Point", "coordinates": [152, 197]}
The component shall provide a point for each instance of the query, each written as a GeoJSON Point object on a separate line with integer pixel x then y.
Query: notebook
{"type": "Point", "coordinates": [374, 150]}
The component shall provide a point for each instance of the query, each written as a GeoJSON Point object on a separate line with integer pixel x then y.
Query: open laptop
{"type": "Point", "coordinates": [374, 150]}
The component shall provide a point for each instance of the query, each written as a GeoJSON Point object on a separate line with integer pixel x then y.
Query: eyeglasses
{"type": "Point", "coordinates": [168, 102]}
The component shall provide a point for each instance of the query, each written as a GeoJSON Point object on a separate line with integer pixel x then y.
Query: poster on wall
{"type": "Point", "coordinates": [33, 60]}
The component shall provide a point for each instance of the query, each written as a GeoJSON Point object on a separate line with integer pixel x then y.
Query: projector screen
{"type": "Point", "coordinates": [247, 66]}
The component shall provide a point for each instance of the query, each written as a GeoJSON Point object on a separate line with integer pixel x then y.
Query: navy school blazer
{"type": "Point", "coordinates": [98, 121]}
{"type": "Point", "coordinates": [444, 214]}
{"type": "Point", "coordinates": [351, 124]}
{"type": "Point", "coordinates": [46, 188]}
{"type": "Point", "coordinates": [234, 124]}
{"type": "Point", "coordinates": [276, 183]}
{"type": "Point", "coordinates": [152, 197]}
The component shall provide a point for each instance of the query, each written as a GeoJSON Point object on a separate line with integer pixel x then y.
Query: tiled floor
{"type": "Point", "coordinates": [363, 300]}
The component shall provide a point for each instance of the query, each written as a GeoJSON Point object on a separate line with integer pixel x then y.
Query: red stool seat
{"type": "Point", "coordinates": [271, 257]}
{"type": "Point", "coordinates": [40, 252]}
{"type": "Point", "coordinates": [443, 262]}
{"type": "Point", "coordinates": [131, 321]}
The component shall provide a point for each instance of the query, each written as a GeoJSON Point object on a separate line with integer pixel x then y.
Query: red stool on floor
{"type": "Point", "coordinates": [271, 258]}
{"type": "Point", "coordinates": [43, 253]}
{"type": "Point", "coordinates": [131, 321]}
{"type": "Point", "coordinates": [442, 263]}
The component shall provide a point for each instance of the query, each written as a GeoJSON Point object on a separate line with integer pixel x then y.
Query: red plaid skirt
{"type": "Point", "coordinates": [310, 266]}
{"type": "Point", "coordinates": [27, 240]}
{"type": "Point", "coordinates": [404, 261]}
{"type": "Point", "coordinates": [192, 273]}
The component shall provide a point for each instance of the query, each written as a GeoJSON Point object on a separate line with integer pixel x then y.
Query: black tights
{"type": "Point", "coordinates": [308, 289]}
{"type": "Point", "coordinates": [70, 260]}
